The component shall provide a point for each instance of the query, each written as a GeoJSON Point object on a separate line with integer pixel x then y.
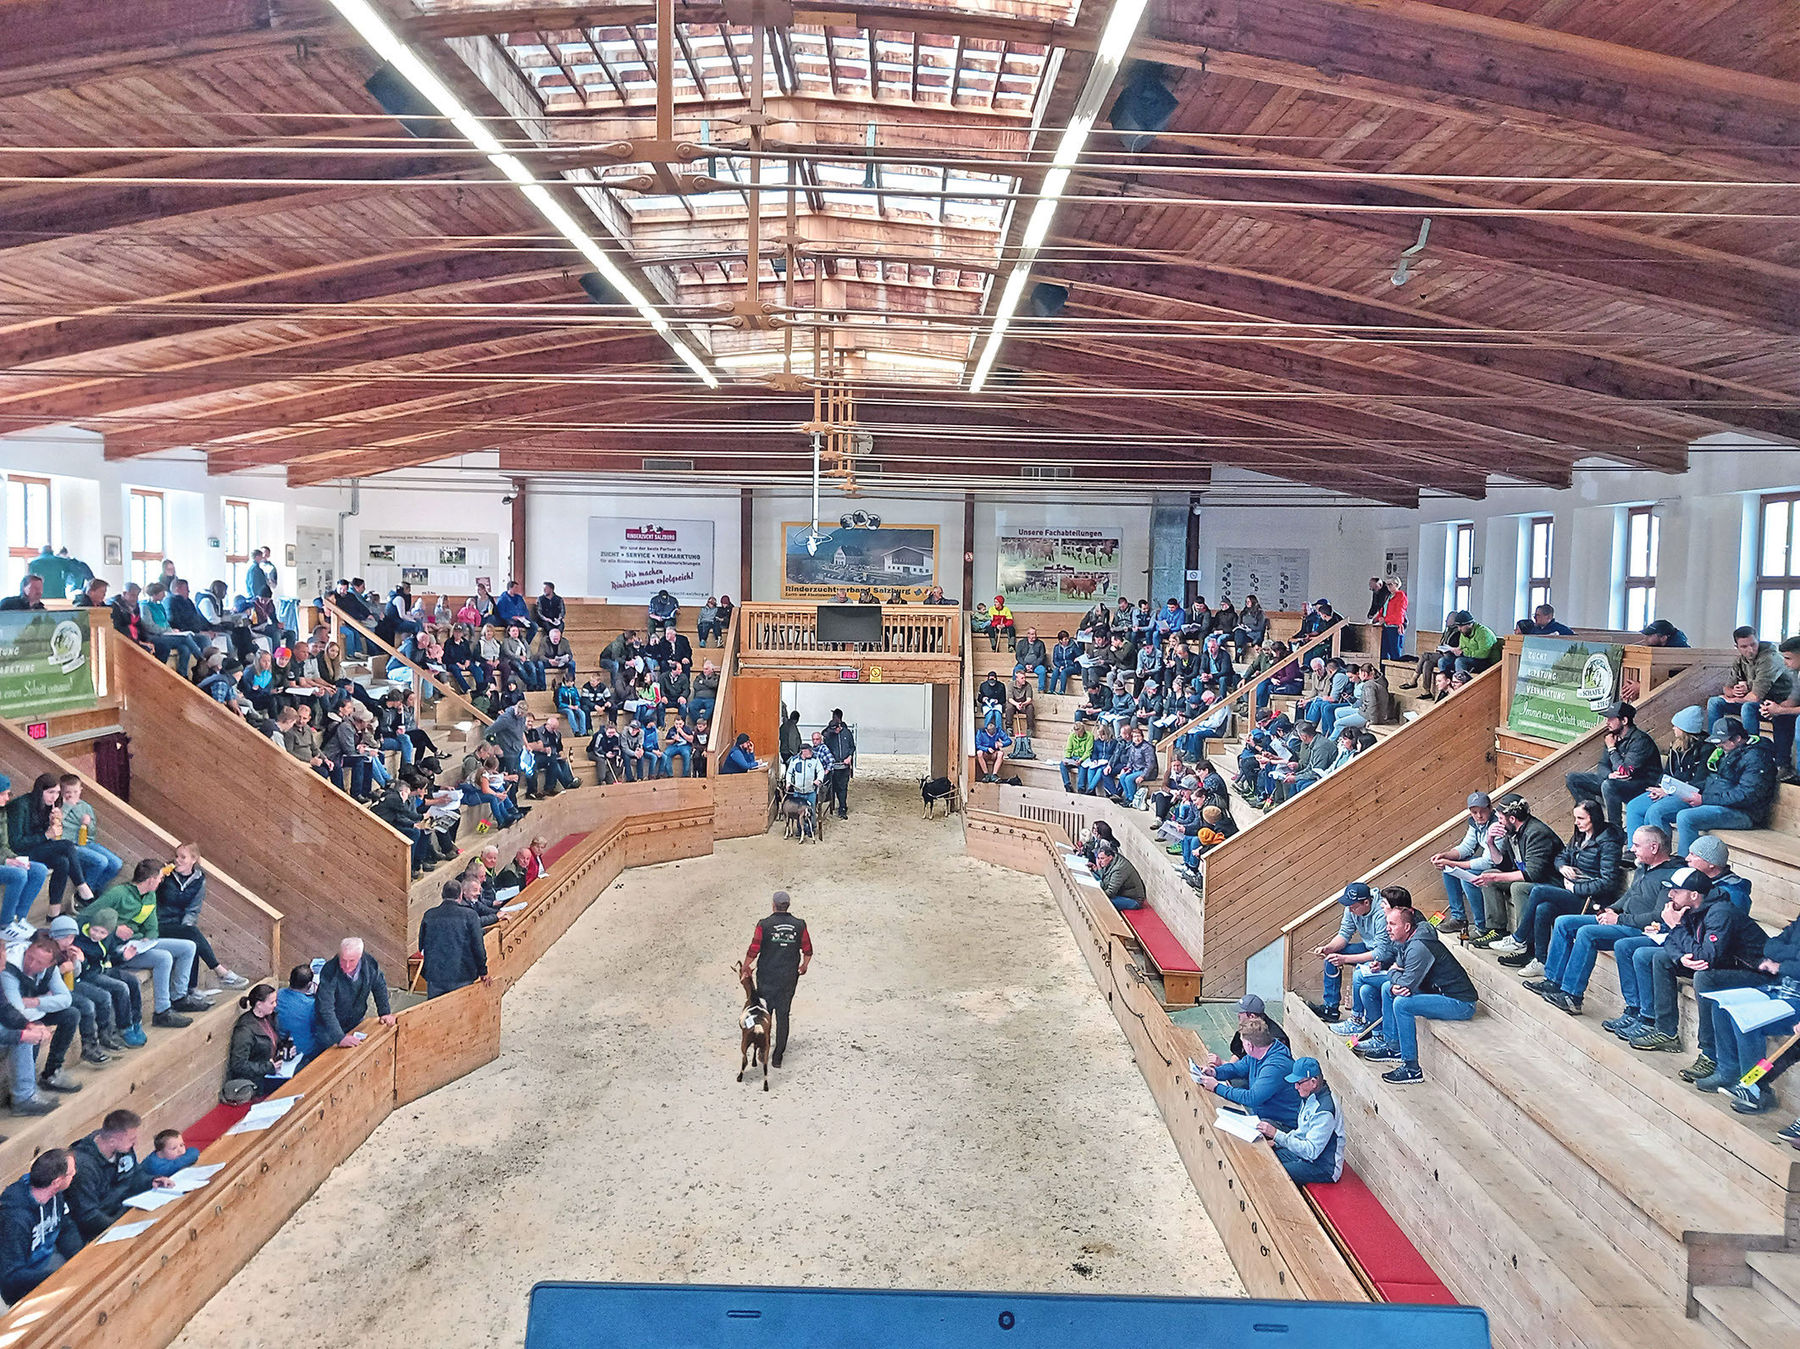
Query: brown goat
{"type": "Point", "coordinates": [754, 1026]}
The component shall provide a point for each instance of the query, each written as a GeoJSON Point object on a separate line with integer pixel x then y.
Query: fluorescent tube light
{"type": "Point", "coordinates": [374, 30]}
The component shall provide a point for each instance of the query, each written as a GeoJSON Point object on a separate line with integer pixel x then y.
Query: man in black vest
{"type": "Point", "coordinates": [780, 950]}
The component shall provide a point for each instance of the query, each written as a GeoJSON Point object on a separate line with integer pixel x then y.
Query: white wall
{"type": "Point", "coordinates": [888, 718]}
{"type": "Point", "coordinates": [89, 493]}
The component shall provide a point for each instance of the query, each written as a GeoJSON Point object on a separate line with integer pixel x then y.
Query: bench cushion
{"type": "Point", "coordinates": [1159, 942]}
{"type": "Point", "coordinates": [1374, 1240]}
{"type": "Point", "coordinates": [557, 850]}
{"type": "Point", "coordinates": [211, 1126]}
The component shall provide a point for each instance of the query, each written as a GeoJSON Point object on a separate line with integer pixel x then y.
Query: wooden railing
{"type": "Point", "coordinates": [421, 676]}
{"type": "Point", "coordinates": [1240, 702]}
{"type": "Point", "coordinates": [793, 629]}
{"type": "Point", "coordinates": [723, 731]}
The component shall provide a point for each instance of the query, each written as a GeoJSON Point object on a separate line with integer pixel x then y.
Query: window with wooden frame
{"type": "Point", "coordinates": [27, 525]}
{"type": "Point", "coordinates": [1540, 557]}
{"type": "Point", "coordinates": [1643, 542]}
{"type": "Point", "coordinates": [1777, 607]}
{"type": "Point", "coordinates": [146, 518]}
{"type": "Point", "coordinates": [236, 538]}
{"type": "Point", "coordinates": [1462, 565]}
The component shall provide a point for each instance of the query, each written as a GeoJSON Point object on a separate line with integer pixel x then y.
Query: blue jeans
{"type": "Point", "coordinates": [1090, 779]}
{"type": "Point", "coordinates": [685, 753]}
{"type": "Point", "coordinates": [1576, 941]}
{"type": "Point", "coordinates": [1399, 1015]}
{"type": "Point", "coordinates": [503, 810]}
{"type": "Point", "coordinates": [1390, 642]}
{"type": "Point", "coordinates": [1315, 1172]}
{"type": "Point", "coordinates": [1465, 897]}
{"type": "Point", "coordinates": [1637, 811]}
{"type": "Point", "coordinates": [1639, 996]}
{"type": "Point", "coordinates": [1693, 821]}
{"type": "Point", "coordinates": [1128, 785]}
{"type": "Point", "coordinates": [1747, 712]}
{"type": "Point", "coordinates": [579, 722]}
{"type": "Point", "coordinates": [700, 707]}
{"type": "Point", "coordinates": [1366, 990]}
{"type": "Point", "coordinates": [1057, 681]}
{"type": "Point", "coordinates": [638, 767]}
{"type": "Point", "coordinates": [1071, 775]}
{"type": "Point", "coordinates": [21, 886]}
{"type": "Point", "coordinates": [1040, 671]}
{"type": "Point", "coordinates": [990, 716]}
{"type": "Point", "coordinates": [1124, 903]}
{"type": "Point", "coordinates": [353, 642]}
{"type": "Point", "coordinates": [402, 743]}
{"type": "Point", "coordinates": [1334, 977]}
{"type": "Point", "coordinates": [1542, 903]}
{"type": "Point", "coordinates": [1735, 1051]}
{"type": "Point", "coordinates": [24, 1075]}
{"type": "Point", "coordinates": [187, 649]}
{"type": "Point", "coordinates": [99, 865]}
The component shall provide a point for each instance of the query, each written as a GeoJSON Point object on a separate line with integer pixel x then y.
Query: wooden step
{"type": "Point", "coordinates": [1743, 1147]}
{"type": "Point", "coordinates": [1777, 1273]}
{"type": "Point", "coordinates": [1608, 1158]}
{"type": "Point", "coordinates": [1498, 1232]}
{"type": "Point", "coordinates": [1602, 1002]}
{"type": "Point", "coordinates": [1770, 860]}
{"type": "Point", "coordinates": [1748, 1318]}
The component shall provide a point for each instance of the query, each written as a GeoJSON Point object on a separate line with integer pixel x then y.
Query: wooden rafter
{"type": "Point", "coordinates": [562, 65]}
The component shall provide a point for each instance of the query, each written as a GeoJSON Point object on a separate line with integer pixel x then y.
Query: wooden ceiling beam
{"type": "Point", "coordinates": [1502, 70]}
{"type": "Point", "coordinates": [1288, 300]}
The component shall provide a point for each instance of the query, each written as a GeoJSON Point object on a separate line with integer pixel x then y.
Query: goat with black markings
{"type": "Point", "coordinates": [754, 1026]}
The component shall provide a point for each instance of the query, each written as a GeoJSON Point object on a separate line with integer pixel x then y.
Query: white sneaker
{"type": "Point", "coordinates": [1535, 970]}
{"type": "Point", "coordinates": [1507, 946]}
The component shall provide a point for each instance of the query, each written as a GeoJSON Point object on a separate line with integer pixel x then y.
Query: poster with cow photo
{"type": "Point", "coordinates": [861, 563]}
{"type": "Point", "coordinates": [1058, 568]}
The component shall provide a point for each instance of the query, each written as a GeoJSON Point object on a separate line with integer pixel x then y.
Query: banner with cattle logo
{"type": "Point", "coordinates": [884, 565]}
{"type": "Point", "coordinates": [1053, 568]}
{"type": "Point", "coordinates": [629, 560]}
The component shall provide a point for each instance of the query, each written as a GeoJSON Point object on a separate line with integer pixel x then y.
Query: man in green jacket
{"type": "Point", "coordinates": [1076, 749]}
{"type": "Point", "coordinates": [170, 960]}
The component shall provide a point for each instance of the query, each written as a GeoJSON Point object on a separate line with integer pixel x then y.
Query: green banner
{"type": "Point", "coordinates": [1562, 686]}
{"type": "Point", "coordinates": [46, 662]}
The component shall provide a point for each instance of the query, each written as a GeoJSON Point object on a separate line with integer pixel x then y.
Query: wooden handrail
{"type": "Point", "coordinates": [421, 676]}
{"type": "Point", "coordinates": [1328, 634]}
{"type": "Point", "coordinates": [921, 630]}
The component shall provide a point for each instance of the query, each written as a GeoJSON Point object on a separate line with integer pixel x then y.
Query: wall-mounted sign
{"type": "Point", "coordinates": [629, 560]}
{"type": "Point", "coordinates": [46, 662]}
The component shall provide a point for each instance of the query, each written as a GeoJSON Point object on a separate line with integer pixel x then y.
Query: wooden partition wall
{"type": "Point", "coordinates": [1408, 864]}
{"type": "Point", "coordinates": [330, 867]}
{"type": "Point", "coordinates": [1276, 1242]}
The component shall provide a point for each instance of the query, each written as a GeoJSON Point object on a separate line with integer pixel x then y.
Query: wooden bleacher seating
{"type": "Point", "coordinates": [1179, 971]}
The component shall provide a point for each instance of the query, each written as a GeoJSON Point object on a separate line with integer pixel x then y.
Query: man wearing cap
{"type": "Point", "coordinates": [1426, 982]}
{"type": "Point", "coordinates": [1354, 944]}
{"type": "Point", "coordinates": [1738, 793]}
{"type": "Point", "coordinates": [1661, 632]}
{"type": "Point", "coordinates": [1705, 932]}
{"type": "Point", "coordinates": [1263, 1071]}
{"type": "Point", "coordinates": [780, 950]}
{"type": "Point", "coordinates": [1468, 911]}
{"type": "Point", "coordinates": [1118, 878]}
{"type": "Point", "coordinates": [1527, 849]}
{"type": "Point", "coordinates": [1251, 1010]}
{"type": "Point", "coordinates": [1542, 623]}
{"type": "Point", "coordinates": [1312, 1151]}
{"type": "Point", "coordinates": [1630, 764]}
{"type": "Point", "coordinates": [1576, 939]}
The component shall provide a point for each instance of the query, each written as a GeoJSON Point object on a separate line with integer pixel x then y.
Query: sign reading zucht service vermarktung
{"type": "Point", "coordinates": [630, 560]}
{"type": "Point", "coordinates": [46, 662]}
{"type": "Point", "coordinates": [1561, 687]}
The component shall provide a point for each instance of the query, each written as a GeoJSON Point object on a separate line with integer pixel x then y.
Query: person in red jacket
{"type": "Point", "coordinates": [1393, 619]}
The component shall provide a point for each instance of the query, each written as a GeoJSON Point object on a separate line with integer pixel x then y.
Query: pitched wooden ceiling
{"type": "Point", "coordinates": [211, 235]}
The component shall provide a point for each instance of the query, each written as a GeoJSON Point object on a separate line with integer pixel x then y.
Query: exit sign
{"type": "Point", "coordinates": [38, 730]}
{"type": "Point", "coordinates": [849, 676]}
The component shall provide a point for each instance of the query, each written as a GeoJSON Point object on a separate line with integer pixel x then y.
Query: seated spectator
{"type": "Point", "coordinates": [1782, 713]}
{"type": "Point", "coordinates": [516, 875]}
{"type": "Point", "coordinates": [79, 822]}
{"type": "Point", "coordinates": [706, 622]}
{"type": "Point", "coordinates": [1758, 675]}
{"type": "Point", "coordinates": [20, 878]}
{"type": "Point", "coordinates": [1522, 853]}
{"type": "Point", "coordinates": [1661, 632]}
{"type": "Point", "coordinates": [1266, 1091]}
{"type": "Point", "coordinates": [1118, 878]}
{"type": "Point", "coordinates": [397, 809]}
{"type": "Point", "coordinates": [1738, 792]}
{"type": "Point", "coordinates": [804, 776]}
{"type": "Point", "coordinates": [169, 1153]}
{"type": "Point", "coordinates": [1252, 1011]}
{"type": "Point", "coordinates": [512, 607]}
{"type": "Point", "coordinates": [37, 1235]}
{"type": "Point", "coordinates": [35, 828]}
{"type": "Point", "coordinates": [1371, 977]}
{"type": "Point", "coordinates": [663, 611]}
{"type": "Point", "coordinates": [170, 960]}
{"type": "Point", "coordinates": [991, 744]}
{"type": "Point", "coordinates": [990, 700]}
{"type": "Point", "coordinates": [1686, 762]}
{"type": "Point", "coordinates": [1312, 1151]}
{"type": "Point", "coordinates": [1426, 982]}
{"type": "Point", "coordinates": [635, 749]}
{"type": "Point", "coordinates": [342, 1000]}
{"type": "Point", "coordinates": [1032, 659]}
{"type": "Point", "coordinates": [257, 1049]}
{"type": "Point", "coordinates": [452, 951]}
{"type": "Point", "coordinates": [1359, 931]}
{"type": "Point", "coordinates": [554, 655]}
{"type": "Point", "coordinates": [155, 629]}
{"type": "Point", "coordinates": [296, 1012]}
{"type": "Point", "coordinates": [742, 758]}
{"type": "Point", "coordinates": [1702, 931]}
{"type": "Point", "coordinates": [32, 985]}
{"type": "Point", "coordinates": [178, 901]}
{"type": "Point", "coordinates": [1739, 1051]}
{"type": "Point", "coordinates": [678, 743]}
{"type": "Point", "coordinates": [1630, 764]}
{"type": "Point", "coordinates": [1542, 623]}
{"type": "Point", "coordinates": [607, 751]}
{"type": "Point", "coordinates": [1000, 624]}
{"type": "Point", "coordinates": [1137, 765]}
{"type": "Point", "coordinates": [1021, 712]}
{"type": "Point", "coordinates": [107, 1173]}
{"type": "Point", "coordinates": [30, 596]}
{"type": "Point", "coordinates": [1077, 749]}
{"type": "Point", "coordinates": [93, 1003]}
{"type": "Point", "coordinates": [1588, 878]}
{"type": "Point", "coordinates": [1576, 939]}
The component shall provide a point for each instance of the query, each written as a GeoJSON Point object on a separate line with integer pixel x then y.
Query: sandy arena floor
{"type": "Point", "coordinates": [957, 1110]}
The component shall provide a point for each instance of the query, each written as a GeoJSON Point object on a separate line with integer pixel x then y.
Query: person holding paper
{"type": "Point", "coordinates": [1737, 794]}
{"type": "Point", "coordinates": [1266, 1091]}
{"type": "Point", "coordinates": [1355, 943]}
{"type": "Point", "coordinates": [1709, 934]}
{"type": "Point", "coordinates": [1118, 878]}
{"type": "Point", "coordinates": [107, 1173]}
{"type": "Point", "coordinates": [1684, 768]}
{"type": "Point", "coordinates": [37, 1235]}
{"type": "Point", "coordinates": [345, 987]}
{"type": "Point", "coordinates": [1312, 1151]}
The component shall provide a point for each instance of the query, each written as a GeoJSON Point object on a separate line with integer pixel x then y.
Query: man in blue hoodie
{"type": "Point", "coordinates": [37, 1235]}
{"type": "Point", "coordinates": [1266, 1091]}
